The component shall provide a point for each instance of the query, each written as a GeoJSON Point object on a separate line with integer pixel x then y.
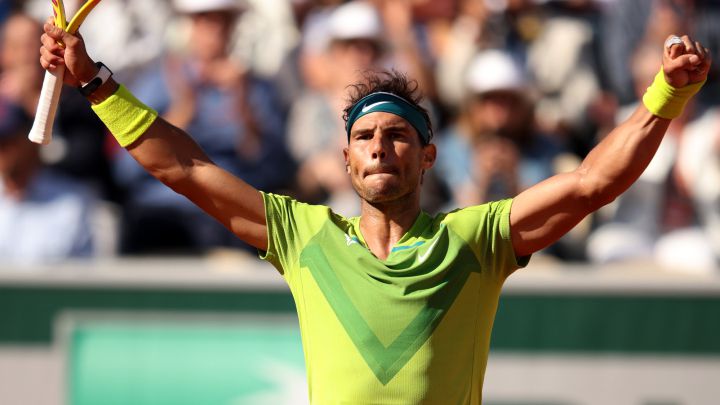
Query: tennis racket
{"type": "Point", "coordinates": [42, 128]}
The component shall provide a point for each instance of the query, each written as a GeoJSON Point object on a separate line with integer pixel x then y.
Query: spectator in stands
{"type": "Point", "coordinates": [493, 150]}
{"type": "Point", "coordinates": [563, 63]}
{"type": "Point", "coordinates": [20, 75]}
{"type": "Point", "coordinates": [305, 61]}
{"type": "Point", "coordinates": [5, 8]}
{"type": "Point", "coordinates": [406, 25]}
{"type": "Point", "coordinates": [475, 26]}
{"type": "Point", "coordinates": [43, 216]}
{"type": "Point", "coordinates": [231, 114]}
{"type": "Point", "coordinates": [139, 27]}
{"type": "Point", "coordinates": [77, 149]}
{"type": "Point", "coordinates": [633, 22]}
{"type": "Point", "coordinates": [627, 22]}
{"type": "Point", "coordinates": [266, 34]}
{"type": "Point", "coordinates": [699, 171]}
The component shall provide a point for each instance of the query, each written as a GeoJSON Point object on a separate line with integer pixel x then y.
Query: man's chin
{"type": "Point", "coordinates": [381, 194]}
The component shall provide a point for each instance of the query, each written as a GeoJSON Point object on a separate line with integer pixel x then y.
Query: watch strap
{"type": "Point", "coordinates": [104, 73]}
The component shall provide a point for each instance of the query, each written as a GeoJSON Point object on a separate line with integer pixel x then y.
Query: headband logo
{"type": "Point", "coordinates": [393, 104]}
{"type": "Point", "coordinates": [369, 107]}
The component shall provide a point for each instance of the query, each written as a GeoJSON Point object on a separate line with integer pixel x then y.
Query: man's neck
{"type": "Point", "coordinates": [383, 225]}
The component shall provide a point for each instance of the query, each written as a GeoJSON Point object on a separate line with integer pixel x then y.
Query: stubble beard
{"type": "Point", "coordinates": [385, 193]}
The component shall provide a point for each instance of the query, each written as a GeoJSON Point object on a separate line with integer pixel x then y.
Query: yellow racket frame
{"type": "Point", "coordinates": [81, 15]}
{"type": "Point", "coordinates": [59, 13]}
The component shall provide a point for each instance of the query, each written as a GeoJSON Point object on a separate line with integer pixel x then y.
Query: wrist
{"type": "Point", "coordinates": [100, 86]}
{"type": "Point", "coordinates": [86, 74]}
{"type": "Point", "coordinates": [666, 101]}
{"type": "Point", "coordinates": [125, 116]}
{"type": "Point", "coordinates": [105, 90]}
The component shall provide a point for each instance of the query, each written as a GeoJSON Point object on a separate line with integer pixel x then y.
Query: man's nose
{"type": "Point", "coordinates": [378, 147]}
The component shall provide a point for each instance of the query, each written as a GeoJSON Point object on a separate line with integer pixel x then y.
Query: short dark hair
{"type": "Point", "coordinates": [388, 81]}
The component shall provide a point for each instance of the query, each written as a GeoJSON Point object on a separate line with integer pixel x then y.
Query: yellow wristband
{"type": "Point", "coordinates": [126, 117]}
{"type": "Point", "coordinates": [666, 101]}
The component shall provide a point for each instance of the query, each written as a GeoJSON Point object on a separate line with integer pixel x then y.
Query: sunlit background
{"type": "Point", "coordinates": [115, 290]}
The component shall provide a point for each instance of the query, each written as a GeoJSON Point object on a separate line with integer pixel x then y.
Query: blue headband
{"type": "Point", "coordinates": [389, 103]}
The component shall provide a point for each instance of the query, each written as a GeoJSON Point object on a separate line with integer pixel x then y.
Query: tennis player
{"type": "Point", "coordinates": [395, 306]}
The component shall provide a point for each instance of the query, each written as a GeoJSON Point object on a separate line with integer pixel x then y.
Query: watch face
{"type": "Point", "coordinates": [102, 76]}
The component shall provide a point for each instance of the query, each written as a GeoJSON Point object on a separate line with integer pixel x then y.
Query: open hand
{"type": "Point", "coordinates": [685, 61]}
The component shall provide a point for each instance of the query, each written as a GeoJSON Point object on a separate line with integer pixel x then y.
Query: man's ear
{"type": "Point", "coordinates": [429, 156]}
{"type": "Point", "coordinates": [346, 156]}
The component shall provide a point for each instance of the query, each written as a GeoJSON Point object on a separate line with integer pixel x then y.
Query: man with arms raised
{"type": "Point", "coordinates": [395, 306]}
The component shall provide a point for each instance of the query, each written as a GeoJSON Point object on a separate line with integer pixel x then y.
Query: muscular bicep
{"type": "Point", "coordinates": [543, 213]}
{"type": "Point", "coordinates": [174, 158]}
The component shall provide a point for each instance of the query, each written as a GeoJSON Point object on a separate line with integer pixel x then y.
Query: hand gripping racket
{"type": "Point", "coordinates": [42, 128]}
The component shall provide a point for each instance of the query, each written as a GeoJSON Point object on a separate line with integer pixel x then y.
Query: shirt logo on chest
{"type": "Point", "coordinates": [349, 240]}
{"type": "Point", "coordinates": [422, 257]}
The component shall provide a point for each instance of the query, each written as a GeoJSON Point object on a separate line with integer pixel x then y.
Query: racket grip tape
{"type": "Point", "coordinates": [42, 128]}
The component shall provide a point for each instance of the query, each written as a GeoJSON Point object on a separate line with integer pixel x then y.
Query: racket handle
{"type": "Point", "coordinates": [42, 128]}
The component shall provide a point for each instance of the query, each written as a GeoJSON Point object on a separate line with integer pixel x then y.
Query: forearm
{"type": "Point", "coordinates": [174, 158]}
{"type": "Point", "coordinates": [162, 149]}
{"type": "Point", "coordinates": [168, 153]}
{"type": "Point", "coordinates": [614, 164]}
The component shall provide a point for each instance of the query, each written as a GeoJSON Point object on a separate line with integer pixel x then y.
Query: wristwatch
{"type": "Point", "coordinates": [101, 77]}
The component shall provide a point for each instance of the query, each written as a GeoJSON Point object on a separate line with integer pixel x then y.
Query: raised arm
{"type": "Point", "coordinates": [167, 152]}
{"type": "Point", "coordinates": [545, 212]}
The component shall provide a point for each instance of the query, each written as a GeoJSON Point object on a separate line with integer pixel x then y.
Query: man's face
{"type": "Point", "coordinates": [18, 48]}
{"type": "Point", "coordinates": [211, 32]}
{"type": "Point", "coordinates": [501, 112]}
{"type": "Point", "coordinates": [385, 158]}
{"type": "Point", "coordinates": [354, 54]}
{"type": "Point", "coordinates": [16, 152]}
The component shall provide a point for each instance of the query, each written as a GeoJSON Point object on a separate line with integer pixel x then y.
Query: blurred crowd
{"type": "Point", "coordinates": [518, 90]}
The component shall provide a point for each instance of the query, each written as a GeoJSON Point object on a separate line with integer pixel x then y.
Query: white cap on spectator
{"type": "Point", "coordinates": [355, 20]}
{"type": "Point", "coordinates": [494, 70]}
{"type": "Point", "coordinates": [202, 6]}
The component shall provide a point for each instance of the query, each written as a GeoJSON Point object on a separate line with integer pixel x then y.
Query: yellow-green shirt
{"type": "Point", "coordinates": [411, 329]}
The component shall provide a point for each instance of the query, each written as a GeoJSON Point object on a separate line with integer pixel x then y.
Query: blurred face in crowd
{"type": "Point", "coordinates": [476, 9]}
{"type": "Point", "coordinates": [17, 155]}
{"type": "Point", "coordinates": [428, 10]}
{"type": "Point", "coordinates": [211, 33]}
{"type": "Point", "coordinates": [354, 54]}
{"type": "Point", "coordinates": [505, 113]}
{"type": "Point", "coordinates": [19, 46]}
{"type": "Point", "coordinates": [386, 158]}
